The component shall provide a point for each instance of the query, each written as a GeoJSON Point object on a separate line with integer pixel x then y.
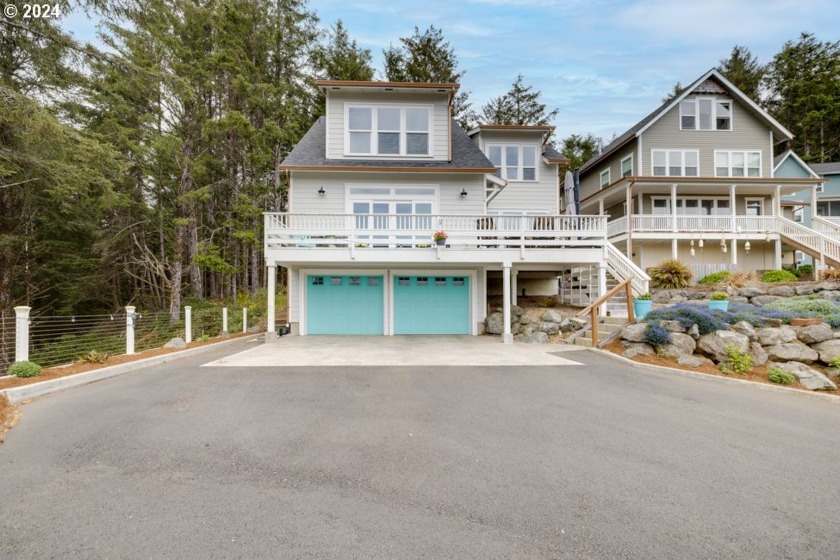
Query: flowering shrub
{"type": "Point", "coordinates": [810, 306]}
{"type": "Point", "coordinates": [708, 320]}
{"type": "Point", "coordinates": [439, 235]}
{"type": "Point", "coordinates": [657, 335]}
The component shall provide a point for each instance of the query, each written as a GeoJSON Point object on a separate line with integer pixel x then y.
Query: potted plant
{"type": "Point", "coordinates": [440, 238]}
{"type": "Point", "coordinates": [642, 305]}
{"type": "Point", "coordinates": [719, 301]}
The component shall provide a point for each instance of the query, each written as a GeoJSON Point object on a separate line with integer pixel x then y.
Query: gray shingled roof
{"type": "Point", "coordinates": [551, 152]}
{"type": "Point", "coordinates": [778, 159]}
{"type": "Point", "coordinates": [829, 168]}
{"type": "Point", "coordinates": [310, 152]}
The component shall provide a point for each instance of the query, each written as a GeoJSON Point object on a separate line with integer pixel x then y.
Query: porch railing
{"type": "Point", "coordinates": [682, 223]}
{"type": "Point", "coordinates": [285, 230]}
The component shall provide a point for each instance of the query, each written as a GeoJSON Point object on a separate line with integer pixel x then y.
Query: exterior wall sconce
{"type": "Point", "coordinates": [747, 247]}
{"type": "Point", "coordinates": [321, 191]}
{"type": "Point", "coordinates": [464, 193]}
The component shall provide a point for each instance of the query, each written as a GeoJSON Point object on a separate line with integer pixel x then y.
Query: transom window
{"type": "Point", "coordinates": [705, 113]}
{"type": "Point", "coordinates": [514, 163]}
{"type": "Point", "coordinates": [388, 130]}
{"type": "Point", "coordinates": [627, 166]}
{"type": "Point", "coordinates": [737, 164]}
{"type": "Point", "coordinates": [604, 178]}
{"type": "Point", "coordinates": [675, 163]}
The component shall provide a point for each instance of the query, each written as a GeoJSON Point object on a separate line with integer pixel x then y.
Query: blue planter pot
{"type": "Point", "coordinates": [719, 305]}
{"type": "Point", "coordinates": [641, 307]}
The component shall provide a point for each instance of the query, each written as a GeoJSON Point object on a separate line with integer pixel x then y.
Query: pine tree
{"type": "Point", "coordinates": [744, 71]}
{"type": "Point", "coordinates": [676, 90]}
{"type": "Point", "coordinates": [580, 148]}
{"type": "Point", "coordinates": [340, 58]}
{"type": "Point", "coordinates": [428, 57]}
{"type": "Point", "coordinates": [519, 106]}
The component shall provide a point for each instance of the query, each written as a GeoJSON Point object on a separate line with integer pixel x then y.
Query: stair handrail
{"type": "Point", "coordinates": [826, 225]}
{"type": "Point", "coordinates": [592, 308]}
{"type": "Point", "coordinates": [824, 241]}
{"type": "Point", "coordinates": [627, 269]}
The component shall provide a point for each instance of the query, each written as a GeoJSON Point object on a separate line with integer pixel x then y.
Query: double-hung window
{"type": "Point", "coordinates": [627, 166]}
{"type": "Point", "coordinates": [604, 178]}
{"type": "Point", "coordinates": [514, 162]}
{"type": "Point", "coordinates": [705, 113]}
{"type": "Point", "coordinates": [388, 130]}
{"type": "Point", "coordinates": [675, 163]}
{"type": "Point", "coordinates": [737, 164]}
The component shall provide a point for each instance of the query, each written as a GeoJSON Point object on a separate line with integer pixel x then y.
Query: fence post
{"type": "Point", "coordinates": [244, 319]}
{"type": "Point", "coordinates": [224, 322]}
{"type": "Point", "coordinates": [22, 333]}
{"type": "Point", "coordinates": [129, 329]}
{"type": "Point", "coordinates": [188, 323]}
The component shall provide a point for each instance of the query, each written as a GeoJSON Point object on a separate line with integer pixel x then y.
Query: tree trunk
{"type": "Point", "coordinates": [195, 272]}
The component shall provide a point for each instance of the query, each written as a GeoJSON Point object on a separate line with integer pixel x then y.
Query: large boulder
{"type": "Point", "coordinates": [814, 333]}
{"type": "Point", "coordinates": [662, 296]}
{"type": "Point", "coordinates": [681, 344]}
{"type": "Point", "coordinates": [750, 292]}
{"type": "Point", "coordinates": [758, 354]}
{"type": "Point", "coordinates": [538, 337]}
{"type": "Point", "coordinates": [634, 349]}
{"type": "Point", "coordinates": [746, 329]}
{"type": "Point", "coordinates": [761, 301]}
{"type": "Point", "coordinates": [805, 290]}
{"type": "Point", "coordinates": [714, 344]}
{"type": "Point", "coordinates": [694, 332]}
{"type": "Point", "coordinates": [634, 332]}
{"type": "Point", "coordinates": [782, 291]}
{"type": "Point", "coordinates": [568, 326]}
{"type": "Point", "coordinates": [827, 285]}
{"type": "Point", "coordinates": [808, 377]}
{"type": "Point", "coordinates": [830, 295]}
{"type": "Point", "coordinates": [738, 299]}
{"type": "Point", "coordinates": [694, 361]}
{"type": "Point", "coordinates": [176, 342]}
{"type": "Point", "coordinates": [829, 350]}
{"type": "Point", "coordinates": [552, 316]}
{"type": "Point", "coordinates": [516, 312]}
{"type": "Point", "coordinates": [495, 323]}
{"type": "Point", "coordinates": [672, 326]}
{"type": "Point", "coordinates": [792, 352]}
{"type": "Point", "coordinates": [549, 328]}
{"type": "Point", "coordinates": [773, 336]}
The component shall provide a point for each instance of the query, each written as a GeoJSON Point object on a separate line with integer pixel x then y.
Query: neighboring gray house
{"type": "Point", "coordinates": [695, 180]}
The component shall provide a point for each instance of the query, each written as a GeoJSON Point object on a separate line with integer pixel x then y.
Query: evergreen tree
{"type": "Point", "coordinates": [340, 58]}
{"type": "Point", "coordinates": [428, 57]}
{"type": "Point", "coordinates": [744, 71]}
{"type": "Point", "coordinates": [580, 148]}
{"type": "Point", "coordinates": [519, 106]}
{"type": "Point", "coordinates": [676, 90]}
{"type": "Point", "coordinates": [804, 95]}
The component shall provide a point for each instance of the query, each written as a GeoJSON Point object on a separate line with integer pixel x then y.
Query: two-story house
{"type": "Point", "coordinates": [694, 180]}
{"type": "Point", "coordinates": [375, 178]}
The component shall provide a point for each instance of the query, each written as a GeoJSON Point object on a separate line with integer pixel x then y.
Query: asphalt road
{"type": "Point", "coordinates": [601, 461]}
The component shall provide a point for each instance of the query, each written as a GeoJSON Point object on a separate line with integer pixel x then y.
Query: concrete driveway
{"type": "Point", "coordinates": [591, 461]}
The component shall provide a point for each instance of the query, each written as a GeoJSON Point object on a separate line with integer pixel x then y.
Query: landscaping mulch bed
{"type": "Point", "coordinates": [8, 416]}
{"type": "Point", "coordinates": [758, 373]}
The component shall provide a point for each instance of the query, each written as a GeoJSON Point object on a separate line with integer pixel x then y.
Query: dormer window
{"type": "Point", "coordinates": [705, 113]}
{"type": "Point", "coordinates": [388, 130]}
{"type": "Point", "coordinates": [514, 163]}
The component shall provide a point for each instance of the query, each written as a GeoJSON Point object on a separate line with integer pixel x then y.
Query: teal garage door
{"type": "Point", "coordinates": [344, 304]}
{"type": "Point", "coordinates": [431, 305]}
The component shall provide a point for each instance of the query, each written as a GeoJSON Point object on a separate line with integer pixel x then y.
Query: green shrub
{"type": "Point", "coordinates": [810, 306]}
{"type": "Point", "coordinates": [778, 276]}
{"type": "Point", "coordinates": [736, 361]}
{"type": "Point", "coordinates": [719, 296]}
{"type": "Point", "coordinates": [670, 274]}
{"type": "Point", "coordinates": [24, 369]}
{"type": "Point", "coordinates": [716, 277]}
{"type": "Point", "coordinates": [94, 357]}
{"type": "Point", "coordinates": [644, 297]}
{"type": "Point", "coordinates": [778, 375]}
{"type": "Point", "coordinates": [805, 270]}
{"type": "Point", "coordinates": [657, 335]}
{"type": "Point", "coordinates": [835, 363]}
{"type": "Point", "coordinates": [202, 338]}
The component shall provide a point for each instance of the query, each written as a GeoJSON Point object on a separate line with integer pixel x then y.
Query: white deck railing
{"type": "Point", "coordinates": [692, 224]}
{"type": "Point", "coordinates": [625, 269]}
{"type": "Point", "coordinates": [399, 231]}
{"type": "Point", "coordinates": [826, 226]}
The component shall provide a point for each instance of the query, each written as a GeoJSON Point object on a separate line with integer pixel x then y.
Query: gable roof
{"type": "Point", "coordinates": [310, 154]}
{"type": "Point", "coordinates": [830, 168]}
{"type": "Point", "coordinates": [637, 129]}
{"type": "Point", "coordinates": [780, 159]}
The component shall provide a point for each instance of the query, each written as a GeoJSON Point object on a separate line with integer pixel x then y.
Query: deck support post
{"type": "Point", "coordinates": [271, 275]}
{"type": "Point", "coordinates": [777, 254]}
{"type": "Point", "coordinates": [674, 209]}
{"type": "Point", "coordinates": [674, 253]}
{"type": "Point", "coordinates": [507, 336]}
{"type": "Point", "coordinates": [514, 286]}
{"type": "Point", "coordinates": [602, 286]}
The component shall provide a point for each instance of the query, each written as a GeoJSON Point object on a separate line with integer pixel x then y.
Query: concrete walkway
{"type": "Point", "coordinates": [323, 351]}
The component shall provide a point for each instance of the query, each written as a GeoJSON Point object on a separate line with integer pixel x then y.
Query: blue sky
{"type": "Point", "coordinates": [604, 64]}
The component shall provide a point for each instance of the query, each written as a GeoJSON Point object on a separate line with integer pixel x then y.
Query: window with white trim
{"type": "Point", "coordinates": [388, 130]}
{"type": "Point", "coordinates": [820, 187]}
{"type": "Point", "coordinates": [604, 179]}
{"type": "Point", "coordinates": [693, 206]}
{"type": "Point", "coordinates": [627, 166]}
{"type": "Point", "coordinates": [737, 164]}
{"type": "Point", "coordinates": [675, 163]}
{"type": "Point", "coordinates": [828, 208]}
{"type": "Point", "coordinates": [705, 113]}
{"type": "Point", "coordinates": [798, 215]}
{"type": "Point", "coordinates": [514, 162]}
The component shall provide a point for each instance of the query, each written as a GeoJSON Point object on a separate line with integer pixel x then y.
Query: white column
{"type": "Point", "coordinates": [734, 213]}
{"type": "Point", "coordinates": [674, 251]}
{"type": "Point", "coordinates": [674, 209]}
{"type": "Point", "coordinates": [129, 329]}
{"type": "Point", "coordinates": [507, 336]}
{"type": "Point", "coordinates": [244, 319]}
{"type": "Point", "coordinates": [601, 207]}
{"type": "Point", "coordinates": [224, 321]}
{"type": "Point", "coordinates": [602, 286]}
{"type": "Point", "coordinates": [734, 251]}
{"type": "Point", "coordinates": [813, 204]}
{"type": "Point", "coordinates": [777, 256]}
{"type": "Point", "coordinates": [272, 287]}
{"type": "Point", "coordinates": [22, 333]}
{"type": "Point", "coordinates": [188, 323]}
{"type": "Point", "coordinates": [514, 286]}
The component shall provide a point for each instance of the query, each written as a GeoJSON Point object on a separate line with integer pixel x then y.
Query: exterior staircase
{"type": "Point", "coordinates": [820, 242]}
{"type": "Point", "coordinates": [608, 328]}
